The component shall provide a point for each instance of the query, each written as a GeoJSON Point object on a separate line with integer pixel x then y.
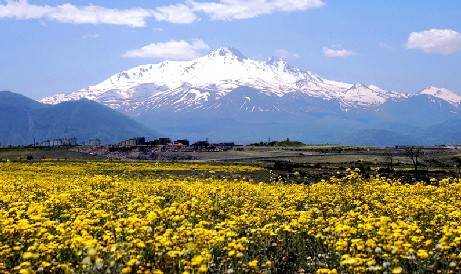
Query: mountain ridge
{"type": "Point", "coordinates": [24, 121]}
{"type": "Point", "coordinates": [222, 71]}
{"type": "Point", "coordinates": [224, 92]}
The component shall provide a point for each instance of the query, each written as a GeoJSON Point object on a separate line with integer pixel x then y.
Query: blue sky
{"type": "Point", "coordinates": [50, 47]}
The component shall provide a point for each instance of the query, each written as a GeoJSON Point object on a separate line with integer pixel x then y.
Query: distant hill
{"type": "Point", "coordinates": [22, 120]}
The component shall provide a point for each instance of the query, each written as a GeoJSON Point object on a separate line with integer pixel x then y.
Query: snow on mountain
{"type": "Point", "coordinates": [213, 96]}
{"type": "Point", "coordinates": [443, 94]}
{"type": "Point", "coordinates": [360, 95]}
{"type": "Point", "coordinates": [203, 82]}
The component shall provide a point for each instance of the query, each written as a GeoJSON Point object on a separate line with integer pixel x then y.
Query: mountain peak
{"type": "Point", "coordinates": [442, 93]}
{"type": "Point", "coordinates": [432, 90]}
{"type": "Point", "coordinates": [358, 85]}
{"type": "Point", "coordinates": [227, 51]}
{"type": "Point", "coordinates": [16, 99]}
{"type": "Point", "coordinates": [274, 60]}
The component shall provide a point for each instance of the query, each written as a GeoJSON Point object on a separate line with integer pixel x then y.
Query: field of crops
{"type": "Point", "coordinates": [115, 217]}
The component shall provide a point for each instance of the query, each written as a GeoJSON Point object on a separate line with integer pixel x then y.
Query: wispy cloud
{"type": "Point", "coordinates": [443, 41]}
{"type": "Point", "coordinates": [180, 13]}
{"type": "Point", "coordinates": [243, 9]}
{"type": "Point", "coordinates": [328, 52]}
{"type": "Point", "coordinates": [285, 54]}
{"type": "Point", "coordinates": [172, 50]}
{"type": "Point", "coordinates": [68, 13]}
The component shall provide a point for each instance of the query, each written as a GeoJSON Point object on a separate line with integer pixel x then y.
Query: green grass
{"type": "Point", "coordinates": [313, 162]}
{"type": "Point", "coordinates": [43, 153]}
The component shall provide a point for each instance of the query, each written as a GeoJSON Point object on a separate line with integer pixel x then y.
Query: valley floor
{"type": "Point", "coordinates": [299, 164]}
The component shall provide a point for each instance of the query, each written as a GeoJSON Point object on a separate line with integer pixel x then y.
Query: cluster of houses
{"type": "Point", "coordinates": [166, 144]}
{"type": "Point", "coordinates": [141, 141]}
{"type": "Point", "coordinates": [163, 144]}
{"type": "Point", "coordinates": [72, 141]}
{"type": "Point", "coordinates": [58, 142]}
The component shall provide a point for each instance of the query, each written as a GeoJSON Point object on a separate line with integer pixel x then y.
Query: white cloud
{"type": "Point", "coordinates": [68, 13]}
{"type": "Point", "coordinates": [285, 54]}
{"type": "Point", "coordinates": [243, 9]}
{"type": "Point", "coordinates": [444, 41]}
{"type": "Point", "coordinates": [172, 50]}
{"type": "Point", "coordinates": [178, 14]}
{"type": "Point", "coordinates": [337, 52]}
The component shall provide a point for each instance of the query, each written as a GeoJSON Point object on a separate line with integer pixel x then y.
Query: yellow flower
{"type": "Point", "coordinates": [326, 271]}
{"type": "Point", "coordinates": [253, 263]}
{"type": "Point", "coordinates": [29, 255]}
{"type": "Point", "coordinates": [203, 268]}
{"type": "Point", "coordinates": [198, 259]}
{"type": "Point", "coordinates": [422, 253]}
{"type": "Point", "coordinates": [76, 213]}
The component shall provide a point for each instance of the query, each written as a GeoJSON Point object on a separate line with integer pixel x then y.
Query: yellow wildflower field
{"type": "Point", "coordinates": [117, 217]}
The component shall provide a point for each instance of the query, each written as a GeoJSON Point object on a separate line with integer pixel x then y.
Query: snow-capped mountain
{"type": "Point", "coordinates": [442, 93]}
{"type": "Point", "coordinates": [227, 96]}
{"type": "Point", "coordinates": [204, 82]}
